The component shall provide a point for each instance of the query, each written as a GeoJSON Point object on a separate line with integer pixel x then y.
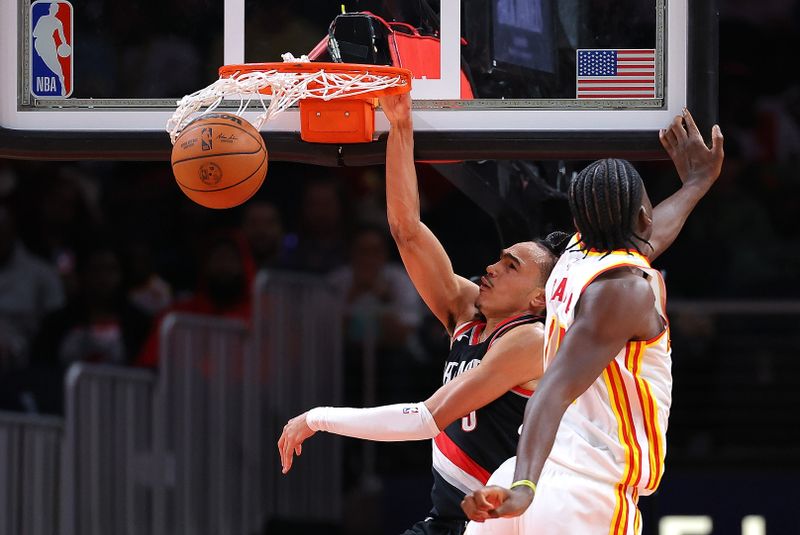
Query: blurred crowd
{"type": "Point", "coordinates": [92, 259]}
{"type": "Point", "coordinates": [94, 254]}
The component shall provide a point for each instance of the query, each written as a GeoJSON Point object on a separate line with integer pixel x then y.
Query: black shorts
{"type": "Point", "coordinates": [437, 526]}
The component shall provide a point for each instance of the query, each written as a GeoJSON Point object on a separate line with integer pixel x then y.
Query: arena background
{"type": "Point", "coordinates": [733, 279]}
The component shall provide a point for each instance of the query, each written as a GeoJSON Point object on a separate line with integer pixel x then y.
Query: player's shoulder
{"type": "Point", "coordinates": [523, 336]}
{"type": "Point", "coordinates": [624, 286]}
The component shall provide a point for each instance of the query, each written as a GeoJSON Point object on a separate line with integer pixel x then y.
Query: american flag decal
{"type": "Point", "coordinates": [616, 73]}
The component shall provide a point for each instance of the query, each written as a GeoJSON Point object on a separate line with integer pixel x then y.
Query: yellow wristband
{"type": "Point", "coordinates": [524, 483]}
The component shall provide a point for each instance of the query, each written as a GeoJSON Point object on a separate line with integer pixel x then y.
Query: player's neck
{"type": "Point", "coordinates": [493, 321]}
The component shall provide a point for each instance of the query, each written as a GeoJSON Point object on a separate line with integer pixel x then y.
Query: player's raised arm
{"type": "Point", "coordinates": [450, 297]}
{"type": "Point", "coordinates": [698, 168]}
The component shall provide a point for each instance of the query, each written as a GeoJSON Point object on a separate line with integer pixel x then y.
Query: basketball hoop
{"type": "Point", "coordinates": [337, 100]}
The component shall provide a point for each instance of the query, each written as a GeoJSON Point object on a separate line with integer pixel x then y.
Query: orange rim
{"type": "Point", "coordinates": [228, 71]}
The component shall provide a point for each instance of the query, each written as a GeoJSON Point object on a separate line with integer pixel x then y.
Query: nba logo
{"type": "Point", "coordinates": [51, 49]}
{"type": "Point", "coordinates": [206, 141]}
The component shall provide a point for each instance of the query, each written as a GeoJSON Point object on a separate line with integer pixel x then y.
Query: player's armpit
{"type": "Point", "coordinates": [512, 360]}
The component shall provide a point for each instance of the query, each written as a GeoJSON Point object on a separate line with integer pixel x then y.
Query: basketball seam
{"type": "Point", "coordinates": [216, 155]}
{"type": "Point", "coordinates": [226, 187]}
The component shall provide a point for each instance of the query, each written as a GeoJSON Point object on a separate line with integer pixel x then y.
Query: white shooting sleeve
{"type": "Point", "coordinates": [389, 423]}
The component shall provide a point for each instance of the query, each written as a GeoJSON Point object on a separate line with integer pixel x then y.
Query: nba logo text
{"type": "Point", "coordinates": [51, 49]}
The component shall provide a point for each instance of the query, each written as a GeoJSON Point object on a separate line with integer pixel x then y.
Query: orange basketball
{"type": "Point", "coordinates": [219, 160]}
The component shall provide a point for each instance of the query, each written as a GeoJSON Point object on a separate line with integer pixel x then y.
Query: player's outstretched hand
{"type": "Point", "coordinates": [294, 433]}
{"type": "Point", "coordinates": [397, 107]}
{"type": "Point", "coordinates": [695, 162]}
{"type": "Point", "coordinates": [496, 502]}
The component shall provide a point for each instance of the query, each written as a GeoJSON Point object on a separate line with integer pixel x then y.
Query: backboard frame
{"type": "Point", "coordinates": [442, 132]}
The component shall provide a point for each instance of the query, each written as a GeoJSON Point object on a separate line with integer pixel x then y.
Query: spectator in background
{"type": "Point", "coordinates": [29, 290]}
{"type": "Point", "coordinates": [263, 233]}
{"type": "Point", "coordinates": [98, 324]}
{"type": "Point", "coordinates": [372, 287]}
{"type": "Point", "coordinates": [320, 244]}
{"type": "Point", "coordinates": [65, 217]}
{"type": "Point", "coordinates": [222, 290]}
{"type": "Point", "coordinates": [377, 295]}
{"type": "Point", "coordinates": [146, 289]}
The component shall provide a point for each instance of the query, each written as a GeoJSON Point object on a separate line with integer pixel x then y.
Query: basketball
{"type": "Point", "coordinates": [219, 160]}
{"type": "Point", "coordinates": [64, 50]}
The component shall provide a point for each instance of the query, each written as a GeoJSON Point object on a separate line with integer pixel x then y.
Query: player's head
{"type": "Point", "coordinates": [53, 8]}
{"type": "Point", "coordinates": [610, 206]}
{"type": "Point", "coordinates": [515, 283]}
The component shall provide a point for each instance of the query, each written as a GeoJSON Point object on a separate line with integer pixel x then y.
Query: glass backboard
{"type": "Point", "coordinates": [494, 79]}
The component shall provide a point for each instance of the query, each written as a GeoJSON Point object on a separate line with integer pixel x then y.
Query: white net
{"type": "Point", "coordinates": [287, 89]}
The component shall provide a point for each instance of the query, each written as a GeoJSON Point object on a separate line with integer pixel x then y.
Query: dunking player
{"type": "Point", "coordinates": [496, 324]}
{"type": "Point", "coordinates": [593, 438]}
{"type": "Point", "coordinates": [479, 407]}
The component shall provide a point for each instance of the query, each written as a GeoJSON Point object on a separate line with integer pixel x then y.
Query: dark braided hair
{"type": "Point", "coordinates": [604, 199]}
{"type": "Point", "coordinates": [554, 244]}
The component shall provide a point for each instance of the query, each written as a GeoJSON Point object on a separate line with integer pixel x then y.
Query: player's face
{"type": "Point", "coordinates": [514, 283]}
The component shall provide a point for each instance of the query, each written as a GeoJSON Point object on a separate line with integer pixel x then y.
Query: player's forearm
{"type": "Point", "coordinates": [543, 415]}
{"type": "Point", "coordinates": [388, 423]}
{"type": "Point", "coordinates": [671, 214]}
{"type": "Point", "coordinates": [402, 193]}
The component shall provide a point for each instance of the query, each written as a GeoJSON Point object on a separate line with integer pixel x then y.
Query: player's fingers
{"type": "Point", "coordinates": [717, 140]}
{"type": "Point", "coordinates": [689, 120]}
{"type": "Point", "coordinates": [298, 449]}
{"type": "Point", "coordinates": [281, 443]}
{"type": "Point", "coordinates": [287, 455]}
{"type": "Point", "coordinates": [662, 137]}
{"type": "Point", "coordinates": [678, 129]}
{"type": "Point", "coordinates": [671, 137]}
{"type": "Point", "coordinates": [482, 502]}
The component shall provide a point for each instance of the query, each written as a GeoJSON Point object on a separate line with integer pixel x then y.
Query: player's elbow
{"type": "Point", "coordinates": [404, 230]}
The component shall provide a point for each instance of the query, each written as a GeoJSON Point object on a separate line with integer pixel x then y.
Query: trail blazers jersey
{"type": "Point", "coordinates": [467, 452]}
{"type": "Point", "coordinates": [615, 431]}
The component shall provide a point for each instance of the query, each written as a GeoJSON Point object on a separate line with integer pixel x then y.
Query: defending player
{"type": "Point", "coordinates": [593, 439]}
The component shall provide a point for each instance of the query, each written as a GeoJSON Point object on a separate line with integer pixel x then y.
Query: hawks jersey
{"type": "Point", "coordinates": [467, 451]}
{"type": "Point", "coordinates": [615, 431]}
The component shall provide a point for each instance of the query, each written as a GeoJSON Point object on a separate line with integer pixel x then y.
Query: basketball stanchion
{"type": "Point", "coordinates": [217, 158]}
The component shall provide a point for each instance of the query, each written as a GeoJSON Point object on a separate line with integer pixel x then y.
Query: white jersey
{"type": "Point", "coordinates": [615, 431]}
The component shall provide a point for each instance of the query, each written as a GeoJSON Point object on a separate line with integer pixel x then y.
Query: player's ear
{"type": "Point", "coordinates": [644, 219]}
{"type": "Point", "coordinates": [537, 302]}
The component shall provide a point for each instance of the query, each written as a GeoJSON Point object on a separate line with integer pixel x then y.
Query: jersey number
{"type": "Point", "coordinates": [469, 422]}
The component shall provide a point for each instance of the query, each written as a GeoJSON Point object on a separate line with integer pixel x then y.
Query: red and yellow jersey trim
{"type": "Point", "coordinates": [620, 402]}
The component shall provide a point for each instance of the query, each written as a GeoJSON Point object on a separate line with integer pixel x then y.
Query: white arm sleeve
{"type": "Point", "coordinates": [389, 423]}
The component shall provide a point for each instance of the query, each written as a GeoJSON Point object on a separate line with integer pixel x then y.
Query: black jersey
{"type": "Point", "coordinates": [468, 450]}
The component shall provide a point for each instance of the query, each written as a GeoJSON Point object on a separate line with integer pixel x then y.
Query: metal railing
{"type": "Point", "coordinates": [30, 461]}
{"type": "Point", "coordinates": [109, 470]}
{"type": "Point", "coordinates": [298, 337]}
{"type": "Point", "coordinates": [193, 448]}
{"type": "Point", "coordinates": [200, 426]}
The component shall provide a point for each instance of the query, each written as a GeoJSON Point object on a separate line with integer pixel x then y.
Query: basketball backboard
{"type": "Point", "coordinates": [512, 80]}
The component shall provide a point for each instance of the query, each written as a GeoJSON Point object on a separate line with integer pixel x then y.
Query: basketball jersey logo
{"type": "Point", "coordinates": [51, 49]}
